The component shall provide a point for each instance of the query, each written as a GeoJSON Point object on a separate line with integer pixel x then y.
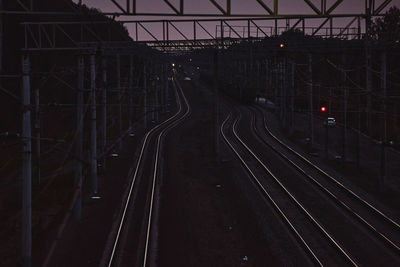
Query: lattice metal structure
{"type": "Point", "coordinates": [50, 35]}
{"type": "Point", "coordinates": [165, 34]}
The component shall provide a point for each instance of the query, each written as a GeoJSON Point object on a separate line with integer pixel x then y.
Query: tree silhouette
{"type": "Point", "coordinates": [387, 28]}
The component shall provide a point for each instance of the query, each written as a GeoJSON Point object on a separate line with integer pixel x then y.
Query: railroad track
{"type": "Point", "coordinates": [371, 217]}
{"type": "Point", "coordinates": [318, 222]}
{"type": "Point", "coordinates": [131, 240]}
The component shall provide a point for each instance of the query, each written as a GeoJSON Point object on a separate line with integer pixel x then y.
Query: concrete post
{"type": "Point", "coordinates": [79, 138]}
{"type": "Point", "coordinates": [93, 128]}
{"type": "Point", "coordinates": [275, 83]}
{"type": "Point", "coordinates": [383, 175]}
{"type": "Point", "coordinates": [162, 86]}
{"type": "Point", "coordinates": [130, 88]}
{"type": "Point", "coordinates": [266, 77]}
{"type": "Point", "coordinates": [1, 36]}
{"type": "Point", "coordinates": [104, 112]}
{"type": "Point", "coordinates": [145, 95]}
{"type": "Point", "coordinates": [37, 134]}
{"type": "Point", "coordinates": [156, 91]}
{"type": "Point", "coordinates": [216, 105]}
{"type": "Point", "coordinates": [368, 83]}
{"type": "Point", "coordinates": [345, 97]}
{"type": "Point", "coordinates": [166, 88]}
{"type": "Point", "coordinates": [118, 63]}
{"type": "Point", "coordinates": [310, 90]}
{"type": "Point", "coordinates": [26, 226]}
{"type": "Point", "coordinates": [292, 93]}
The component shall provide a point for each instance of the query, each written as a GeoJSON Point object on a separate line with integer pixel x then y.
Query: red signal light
{"type": "Point", "coordinates": [323, 109]}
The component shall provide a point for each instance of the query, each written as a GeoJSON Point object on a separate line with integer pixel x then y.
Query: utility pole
{"type": "Point", "coordinates": [368, 83]}
{"type": "Point", "coordinates": [384, 137]}
{"type": "Point", "coordinates": [310, 90]}
{"type": "Point", "coordinates": [216, 132]}
{"type": "Point", "coordinates": [326, 126]}
{"type": "Point", "coordinates": [153, 102]}
{"type": "Point", "coordinates": [369, 9]}
{"type": "Point", "coordinates": [162, 88]}
{"type": "Point", "coordinates": [345, 96]}
{"type": "Point", "coordinates": [284, 91]}
{"type": "Point", "coordinates": [166, 88]}
{"type": "Point", "coordinates": [276, 84]}
{"type": "Point", "coordinates": [26, 227]}
{"type": "Point", "coordinates": [145, 94]}
{"type": "Point", "coordinates": [37, 133]}
{"type": "Point", "coordinates": [93, 128]}
{"type": "Point", "coordinates": [358, 145]}
{"type": "Point", "coordinates": [156, 91]}
{"type": "Point", "coordinates": [292, 93]}
{"type": "Point", "coordinates": [118, 62]}
{"type": "Point", "coordinates": [1, 36]}
{"type": "Point", "coordinates": [130, 86]}
{"type": "Point", "coordinates": [79, 138]}
{"type": "Point", "coordinates": [266, 77]}
{"type": "Point", "coordinates": [104, 111]}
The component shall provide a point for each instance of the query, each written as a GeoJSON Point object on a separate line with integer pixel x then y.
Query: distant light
{"type": "Point", "coordinates": [173, 64]}
{"type": "Point", "coordinates": [198, 68]}
{"type": "Point", "coordinates": [190, 59]}
{"type": "Point", "coordinates": [323, 109]}
{"type": "Point", "coordinates": [281, 45]}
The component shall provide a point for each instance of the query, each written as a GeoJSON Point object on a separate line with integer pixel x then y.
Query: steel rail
{"type": "Point", "coordinates": [275, 205]}
{"type": "Point", "coordinates": [315, 222]}
{"type": "Point", "coordinates": [134, 177]}
{"type": "Point", "coordinates": [335, 181]}
{"type": "Point", "coordinates": [160, 136]}
{"type": "Point", "coordinates": [328, 192]}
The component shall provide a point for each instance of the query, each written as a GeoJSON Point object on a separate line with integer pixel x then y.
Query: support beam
{"type": "Point", "coordinates": [37, 135]}
{"type": "Point", "coordinates": [118, 68]}
{"type": "Point", "coordinates": [311, 105]}
{"type": "Point", "coordinates": [162, 86]}
{"type": "Point", "coordinates": [383, 173]}
{"type": "Point", "coordinates": [216, 104]}
{"type": "Point", "coordinates": [145, 95]}
{"type": "Point", "coordinates": [130, 88]}
{"type": "Point", "coordinates": [93, 128]}
{"type": "Point", "coordinates": [368, 82]}
{"type": "Point", "coordinates": [77, 212]}
{"type": "Point", "coordinates": [345, 97]}
{"type": "Point", "coordinates": [104, 113]}
{"type": "Point", "coordinates": [292, 94]}
{"type": "Point", "coordinates": [157, 91]}
{"type": "Point", "coordinates": [1, 36]}
{"type": "Point", "coordinates": [166, 88]}
{"type": "Point", "coordinates": [26, 225]}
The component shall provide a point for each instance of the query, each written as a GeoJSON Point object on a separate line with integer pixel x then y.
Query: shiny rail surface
{"type": "Point", "coordinates": [353, 212]}
{"type": "Point", "coordinates": [159, 132]}
{"type": "Point", "coordinates": [275, 204]}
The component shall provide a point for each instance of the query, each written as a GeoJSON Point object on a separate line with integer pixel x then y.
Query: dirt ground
{"type": "Point", "coordinates": [209, 213]}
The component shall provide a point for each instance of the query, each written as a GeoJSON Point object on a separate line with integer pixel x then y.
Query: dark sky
{"type": "Point", "coordinates": [238, 6]}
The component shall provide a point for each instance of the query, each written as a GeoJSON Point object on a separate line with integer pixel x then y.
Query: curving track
{"type": "Point", "coordinates": [371, 217]}
{"type": "Point", "coordinates": [334, 225]}
{"type": "Point", "coordinates": [132, 241]}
